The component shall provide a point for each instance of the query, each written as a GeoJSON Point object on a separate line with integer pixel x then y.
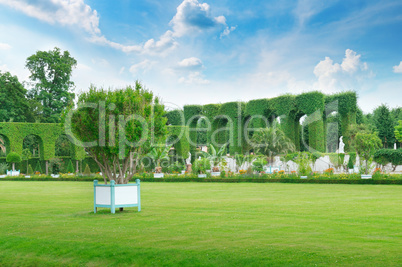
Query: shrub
{"type": "Point", "coordinates": [87, 171]}
{"type": "Point", "coordinates": [30, 171]}
{"type": "Point", "coordinates": [176, 167]}
{"type": "Point", "coordinates": [350, 163]}
{"type": "Point", "coordinates": [385, 156]}
{"type": "Point", "coordinates": [38, 168]}
{"type": "Point", "coordinates": [13, 157]}
{"type": "Point", "coordinates": [3, 168]}
{"type": "Point", "coordinates": [223, 174]}
{"type": "Point", "coordinates": [303, 160]}
{"type": "Point", "coordinates": [258, 164]}
{"type": "Point", "coordinates": [70, 168]}
{"type": "Point", "coordinates": [201, 166]}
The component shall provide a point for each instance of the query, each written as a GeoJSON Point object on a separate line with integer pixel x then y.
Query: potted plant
{"type": "Point", "coordinates": [201, 166]}
{"type": "Point", "coordinates": [157, 154]}
{"type": "Point", "coordinates": [216, 157]}
{"type": "Point", "coordinates": [303, 160]}
{"type": "Point", "coordinates": [366, 145]}
{"type": "Point", "coordinates": [350, 165]}
{"type": "Point", "coordinates": [13, 158]}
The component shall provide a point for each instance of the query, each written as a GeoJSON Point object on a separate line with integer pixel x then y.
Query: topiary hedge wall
{"type": "Point", "coordinates": [260, 112]}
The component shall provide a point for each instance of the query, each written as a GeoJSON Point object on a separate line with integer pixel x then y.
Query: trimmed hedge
{"type": "Point", "coordinates": [222, 180]}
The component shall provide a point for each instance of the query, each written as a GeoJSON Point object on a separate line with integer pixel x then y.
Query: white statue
{"type": "Point", "coordinates": [395, 146]}
{"type": "Point", "coordinates": [341, 145]}
{"type": "Point", "coordinates": [188, 160]}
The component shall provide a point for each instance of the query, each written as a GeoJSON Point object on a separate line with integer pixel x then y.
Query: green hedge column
{"type": "Point", "coordinates": [234, 112]}
{"type": "Point", "coordinates": [191, 114]}
{"type": "Point", "coordinates": [312, 104]}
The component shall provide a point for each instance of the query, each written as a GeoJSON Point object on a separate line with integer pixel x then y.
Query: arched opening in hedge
{"type": "Point", "coordinates": [34, 144]}
{"type": "Point", "coordinates": [63, 147]}
{"type": "Point", "coordinates": [4, 145]}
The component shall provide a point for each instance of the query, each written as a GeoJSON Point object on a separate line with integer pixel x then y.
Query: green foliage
{"type": "Point", "coordinates": [30, 170]}
{"type": "Point", "coordinates": [55, 165]}
{"type": "Point", "coordinates": [258, 164]}
{"type": "Point", "coordinates": [69, 168]}
{"type": "Point", "coordinates": [51, 72]}
{"type": "Point", "coordinates": [366, 145]}
{"type": "Point", "coordinates": [3, 167]}
{"type": "Point", "coordinates": [13, 157]}
{"type": "Point", "coordinates": [87, 171]}
{"type": "Point", "coordinates": [14, 105]}
{"type": "Point", "coordinates": [385, 156]}
{"type": "Point", "coordinates": [352, 156]}
{"type": "Point", "coordinates": [350, 163]}
{"type": "Point", "coordinates": [176, 167]}
{"type": "Point", "coordinates": [125, 136]}
{"type": "Point", "coordinates": [398, 132]}
{"type": "Point", "coordinates": [38, 167]}
{"type": "Point", "coordinates": [46, 136]}
{"type": "Point", "coordinates": [271, 142]}
{"type": "Point", "coordinates": [384, 126]}
{"type": "Point", "coordinates": [178, 138]}
{"type": "Point", "coordinates": [175, 117]}
{"type": "Point", "coordinates": [215, 155]}
{"type": "Point", "coordinates": [200, 166]}
{"type": "Point", "coordinates": [303, 161]}
{"type": "Point", "coordinates": [159, 153]}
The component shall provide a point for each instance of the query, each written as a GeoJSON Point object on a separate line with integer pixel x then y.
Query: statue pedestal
{"type": "Point", "coordinates": [188, 168]}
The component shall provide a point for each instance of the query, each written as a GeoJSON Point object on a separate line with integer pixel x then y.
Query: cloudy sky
{"type": "Point", "coordinates": [195, 52]}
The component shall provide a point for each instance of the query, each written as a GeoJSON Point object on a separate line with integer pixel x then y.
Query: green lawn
{"type": "Point", "coordinates": [215, 224]}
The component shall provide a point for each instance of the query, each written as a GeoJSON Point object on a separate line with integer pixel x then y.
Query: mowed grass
{"type": "Point", "coordinates": [212, 224]}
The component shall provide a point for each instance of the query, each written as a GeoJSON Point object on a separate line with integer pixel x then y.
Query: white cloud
{"type": "Point", "coordinates": [227, 31]}
{"type": "Point", "coordinates": [333, 77]}
{"type": "Point", "coordinates": [398, 68]}
{"type": "Point", "coordinates": [4, 46]}
{"type": "Point", "coordinates": [193, 78]}
{"type": "Point", "coordinates": [143, 66]}
{"type": "Point", "coordinates": [190, 63]}
{"type": "Point", "coordinates": [193, 16]}
{"type": "Point", "coordinates": [64, 12]}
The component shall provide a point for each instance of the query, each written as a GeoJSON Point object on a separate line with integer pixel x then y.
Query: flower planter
{"type": "Point", "coordinates": [366, 176]}
{"type": "Point", "coordinates": [202, 175]}
{"type": "Point", "coordinates": [55, 175]}
{"type": "Point", "coordinates": [303, 177]}
{"type": "Point", "coordinates": [27, 176]}
{"type": "Point", "coordinates": [158, 175]}
{"type": "Point", "coordinates": [3, 176]}
{"type": "Point", "coordinates": [351, 171]}
{"type": "Point", "coordinates": [116, 195]}
{"type": "Point", "coordinates": [183, 172]}
{"type": "Point", "coordinates": [215, 173]}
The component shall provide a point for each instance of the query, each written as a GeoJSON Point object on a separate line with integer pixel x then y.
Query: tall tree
{"type": "Point", "coordinates": [51, 72]}
{"type": "Point", "coordinates": [135, 119]}
{"type": "Point", "coordinates": [14, 105]}
{"type": "Point", "coordinates": [385, 126]}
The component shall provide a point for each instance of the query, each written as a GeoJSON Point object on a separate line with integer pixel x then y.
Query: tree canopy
{"type": "Point", "coordinates": [51, 73]}
{"type": "Point", "coordinates": [14, 105]}
{"type": "Point", "coordinates": [117, 127]}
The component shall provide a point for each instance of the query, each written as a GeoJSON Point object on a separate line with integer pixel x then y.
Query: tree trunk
{"type": "Point", "coordinates": [13, 166]}
{"type": "Point", "coordinates": [77, 166]}
{"type": "Point", "coordinates": [47, 167]}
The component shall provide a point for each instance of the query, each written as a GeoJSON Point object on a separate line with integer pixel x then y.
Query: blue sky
{"type": "Point", "coordinates": [195, 52]}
